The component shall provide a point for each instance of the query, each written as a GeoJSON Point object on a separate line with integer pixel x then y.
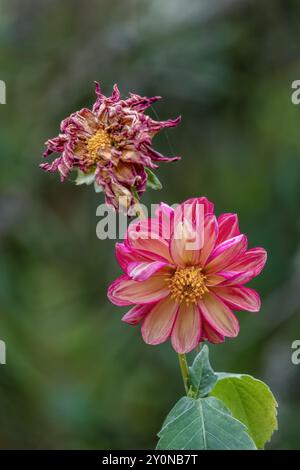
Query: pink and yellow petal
{"type": "Point", "coordinates": [144, 270]}
{"type": "Point", "coordinates": [239, 298]}
{"type": "Point", "coordinates": [226, 253]}
{"type": "Point", "coordinates": [209, 238]}
{"type": "Point", "coordinates": [187, 329]}
{"type": "Point", "coordinates": [137, 313]}
{"type": "Point", "coordinates": [211, 335]}
{"type": "Point", "coordinates": [249, 265]}
{"type": "Point", "coordinates": [185, 244]}
{"type": "Point", "coordinates": [158, 323]}
{"type": "Point", "coordinates": [146, 236]}
{"type": "Point", "coordinates": [125, 291]}
{"type": "Point", "coordinates": [228, 227]}
{"type": "Point", "coordinates": [218, 315]}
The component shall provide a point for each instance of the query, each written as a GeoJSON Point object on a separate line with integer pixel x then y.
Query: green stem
{"type": "Point", "coordinates": [184, 370]}
{"type": "Point", "coordinates": [138, 208]}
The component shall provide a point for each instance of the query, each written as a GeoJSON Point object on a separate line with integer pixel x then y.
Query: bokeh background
{"type": "Point", "coordinates": [76, 376]}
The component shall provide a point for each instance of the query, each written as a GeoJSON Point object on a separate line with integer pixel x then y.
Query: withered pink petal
{"type": "Point", "coordinates": [158, 157]}
{"type": "Point", "coordinates": [115, 94]}
{"type": "Point", "coordinates": [187, 330]}
{"type": "Point", "coordinates": [158, 324]}
{"type": "Point", "coordinates": [140, 103]}
{"type": "Point", "coordinates": [156, 126]}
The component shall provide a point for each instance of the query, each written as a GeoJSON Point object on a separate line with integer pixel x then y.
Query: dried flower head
{"type": "Point", "coordinates": [110, 145]}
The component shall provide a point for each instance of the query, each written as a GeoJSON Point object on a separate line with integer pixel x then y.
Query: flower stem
{"type": "Point", "coordinates": [139, 211]}
{"type": "Point", "coordinates": [184, 370]}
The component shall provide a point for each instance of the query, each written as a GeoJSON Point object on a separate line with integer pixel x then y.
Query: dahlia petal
{"type": "Point", "coordinates": [165, 216]}
{"type": "Point", "coordinates": [209, 334]}
{"type": "Point", "coordinates": [187, 238]}
{"type": "Point", "coordinates": [115, 96]}
{"type": "Point", "coordinates": [98, 90]}
{"type": "Point", "coordinates": [142, 271]}
{"type": "Point", "coordinates": [233, 278]}
{"type": "Point", "coordinates": [131, 155]}
{"type": "Point", "coordinates": [209, 237]}
{"type": "Point", "coordinates": [158, 324]}
{"type": "Point", "coordinates": [226, 253]}
{"type": "Point", "coordinates": [51, 166]}
{"type": "Point", "coordinates": [245, 268]}
{"type": "Point", "coordinates": [187, 329]}
{"type": "Point", "coordinates": [158, 157]}
{"type": "Point", "coordinates": [213, 279]}
{"type": "Point", "coordinates": [140, 103]}
{"type": "Point", "coordinates": [137, 313]}
{"type": "Point", "coordinates": [146, 235]}
{"type": "Point", "coordinates": [208, 206]}
{"type": "Point", "coordinates": [126, 255]}
{"type": "Point", "coordinates": [218, 315]}
{"type": "Point", "coordinates": [239, 298]}
{"type": "Point", "coordinates": [228, 227]}
{"type": "Point", "coordinates": [156, 126]}
{"type": "Point", "coordinates": [55, 145]}
{"type": "Point", "coordinates": [99, 99]}
{"type": "Point", "coordinates": [125, 291]}
{"type": "Point", "coordinates": [185, 244]}
{"type": "Point", "coordinates": [193, 210]}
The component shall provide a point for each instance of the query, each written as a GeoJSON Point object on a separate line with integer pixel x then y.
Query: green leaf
{"type": "Point", "coordinates": [203, 424]}
{"type": "Point", "coordinates": [202, 377]}
{"type": "Point", "coordinates": [83, 178]}
{"type": "Point", "coordinates": [152, 181]}
{"type": "Point", "coordinates": [251, 402]}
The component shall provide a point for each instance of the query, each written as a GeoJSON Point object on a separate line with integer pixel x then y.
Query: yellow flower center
{"type": "Point", "coordinates": [187, 284]}
{"type": "Point", "coordinates": [100, 140]}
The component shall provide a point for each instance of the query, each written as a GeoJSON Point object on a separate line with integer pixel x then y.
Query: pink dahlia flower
{"type": "Point", "coordinates": [110, 144]}
{"type": "Point", "coordinates": [185, 292]}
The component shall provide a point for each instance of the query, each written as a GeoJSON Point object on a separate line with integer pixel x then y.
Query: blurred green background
{"type": "Point", "coordinates": [76, 376]}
